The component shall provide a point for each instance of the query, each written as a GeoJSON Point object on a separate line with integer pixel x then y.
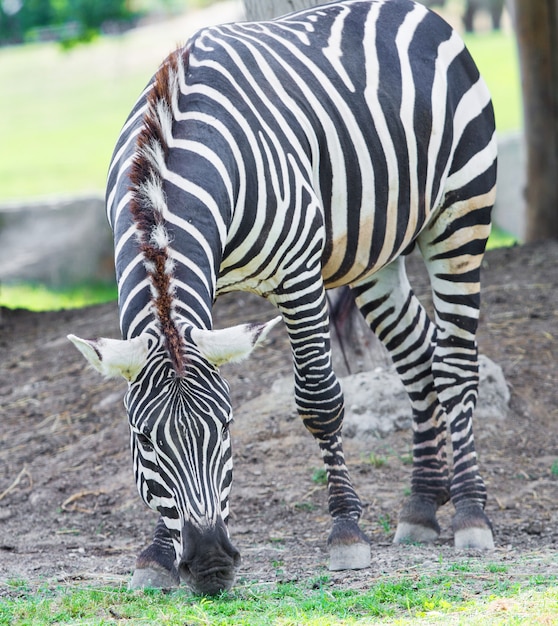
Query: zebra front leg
{"type": "Point", "coordinates": [399, 320]}
{"type": "Point", "coordinates": [155, 566]}
{"type": "Point", "coordinates": [320, 404]}
{"type": "Point", "coordinates": [321, 407]}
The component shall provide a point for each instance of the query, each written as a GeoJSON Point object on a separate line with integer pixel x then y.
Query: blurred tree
{"type": "Point", "coordinates": [266, 9]}
{"type": "Point", "coordinates": [19, 17]}
{"type": "Point", "coordinates": [536, 25]}
{"type": "Point", "coordinates": [494, 7]}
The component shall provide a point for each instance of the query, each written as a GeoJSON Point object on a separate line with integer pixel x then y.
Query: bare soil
{"type": "Point", "coordinates": [69, 510]}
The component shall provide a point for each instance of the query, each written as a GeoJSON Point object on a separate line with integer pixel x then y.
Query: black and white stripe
{"type": "Point", "coordinates": [283, 158]}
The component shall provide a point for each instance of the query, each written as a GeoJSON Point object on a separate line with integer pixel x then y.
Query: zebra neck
{"type": "Point", "coordinates": [180, 293]}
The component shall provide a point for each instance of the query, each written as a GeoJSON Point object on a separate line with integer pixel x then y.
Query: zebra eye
{"type": "Point", "coordinates": [144, 442]}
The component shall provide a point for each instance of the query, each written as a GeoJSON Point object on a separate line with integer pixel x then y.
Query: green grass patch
{"type": "Point", "coordinates": [467, 597]}
{"type": "Point", "coordinates": [500, 238]}
{"type": "Point", "coordinates": [60, 115]}
{"type": "Point", "coordinates": [35, 297]}
{"type": "Point", "coordinates": [495, 54]}
{"type": "Point", "coordinates": [319, 476]}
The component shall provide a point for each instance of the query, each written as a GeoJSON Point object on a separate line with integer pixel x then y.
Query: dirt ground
{"type": "Point", "coordinates": [69, 510]}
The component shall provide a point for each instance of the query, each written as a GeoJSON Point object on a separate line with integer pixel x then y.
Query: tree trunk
{"type": "Point", "coordinates": [536, 25]}
{"type": "Point", "coordinates": [267, 9]}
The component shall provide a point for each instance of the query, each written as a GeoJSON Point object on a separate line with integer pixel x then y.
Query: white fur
{"type": "Point", "coordinates": [170, 264]}
{"type": "Point", "coordinates": [154, 291]}
{"type": "Point", "coordinates": [152, 191]}
{"type": "Point", "coordinates": [149, 266]}
{"type": "Point", "coordinates": [153, 152]}
{"type": "Point", "coordinates": [160, 237]}
{"type": "Point", "coordinates": [231, 345]}
{"type": "Point", "coordinates": [165, 120]}
{"type": "Point", "coordinates": [114, 357]}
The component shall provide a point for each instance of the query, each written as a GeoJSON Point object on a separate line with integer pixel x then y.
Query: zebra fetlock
{"type": "Point", "coordinates": [472, 528]}
{"type": "Point", "coordinates": [155, 566]}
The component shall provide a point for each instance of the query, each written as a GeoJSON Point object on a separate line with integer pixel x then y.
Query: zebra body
{"type": "Point", "coordinates": [284, 158]}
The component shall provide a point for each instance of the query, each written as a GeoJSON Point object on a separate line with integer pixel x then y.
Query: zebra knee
{"type": "Point", "coordinates": [321, 407]}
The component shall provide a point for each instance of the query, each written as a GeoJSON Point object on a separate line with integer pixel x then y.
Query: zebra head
{"type": "Point", "coordinates": [180, 440]}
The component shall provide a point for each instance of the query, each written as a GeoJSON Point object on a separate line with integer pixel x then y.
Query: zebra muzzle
{"type": "Point", "coordinates": [209, 560]}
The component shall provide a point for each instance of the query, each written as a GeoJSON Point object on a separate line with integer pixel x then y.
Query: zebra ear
{"type": "Point", "coordinates": [233, 344]}
{"type": "Point", "coordinates": [114, 357]}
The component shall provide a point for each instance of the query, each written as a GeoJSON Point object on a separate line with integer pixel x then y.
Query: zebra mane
{"type": "Point", "coordinates": [148, 204]}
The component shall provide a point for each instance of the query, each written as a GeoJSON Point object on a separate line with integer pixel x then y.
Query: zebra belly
{"type": "Point", "coordinates": [365, 259]}
{"type": "Point", "coordinates": [337, 248]}
{"type": "Point", "coordinates": [361, 240]}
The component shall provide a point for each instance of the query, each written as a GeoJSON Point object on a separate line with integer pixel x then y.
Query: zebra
{"type": "Point", "coordinates": [284, 158]}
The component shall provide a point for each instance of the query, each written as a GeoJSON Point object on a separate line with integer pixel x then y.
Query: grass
{"type": "Point", "coordinates": [60, 115]}
{"type": "Point", "coordinates": [319, 476]}
{"type": "Point", "coordinates": [495, 54]}
{"type": "Point", "coordinates": [375, 460]}
{"type": "Point", "coordinates": [499, 238]}
{"type": "Point", "coordinates": [474, 594]}
{"type": "Point", "coordinates": [36, 297]}
{"type": "Point", "coordinates": [61, 110]}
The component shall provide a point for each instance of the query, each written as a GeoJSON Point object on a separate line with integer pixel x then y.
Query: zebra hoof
{"type": "Point", "coordinates": [153, 578]}
{"type": "Point", "coordinates": [417, 522]}
{"type": "Point", "coordinates": [414, 533]}
{"type": "Point", "coordinates": [472, 529]}
{"type": "Point", "coordinates": [475, 538]}
{"type": "Point", "coordinates": [353, 556]}
{"type": "Point", "coordinates": [349, 547]}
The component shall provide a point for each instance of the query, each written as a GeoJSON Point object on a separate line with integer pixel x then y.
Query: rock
{"type": "Point", "coordinates": [376, 403]}
{"type": "Point", "coordinates": [67, 241]}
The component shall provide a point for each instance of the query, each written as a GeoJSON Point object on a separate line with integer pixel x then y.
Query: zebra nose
{"type": "Point", "coordinates": [209, 560]}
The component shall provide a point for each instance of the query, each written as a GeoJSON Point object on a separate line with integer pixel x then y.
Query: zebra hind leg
{"type": "Point", "coordinates": [399, 320]}
{"type": "Point", "coordinates": [454, 269]}
{"type": "Point", "coordinates": [155, 566]}
{"type": "Point", "coordinates": [320, 405]}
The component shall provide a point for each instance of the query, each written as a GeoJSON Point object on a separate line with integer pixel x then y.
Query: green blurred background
{"type": "Point", "coordinates": [63, 102]}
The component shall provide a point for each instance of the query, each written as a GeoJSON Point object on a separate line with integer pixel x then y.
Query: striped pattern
{"type": "Point", "coordinates": [182, 462]}
{"type": "Point", "coordinates": [283, 158]}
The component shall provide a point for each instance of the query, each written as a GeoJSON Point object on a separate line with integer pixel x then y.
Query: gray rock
{"type": "Point", "coordinates": [56, 241]}
{"type": "Point", "coordinates": [376, 403]}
